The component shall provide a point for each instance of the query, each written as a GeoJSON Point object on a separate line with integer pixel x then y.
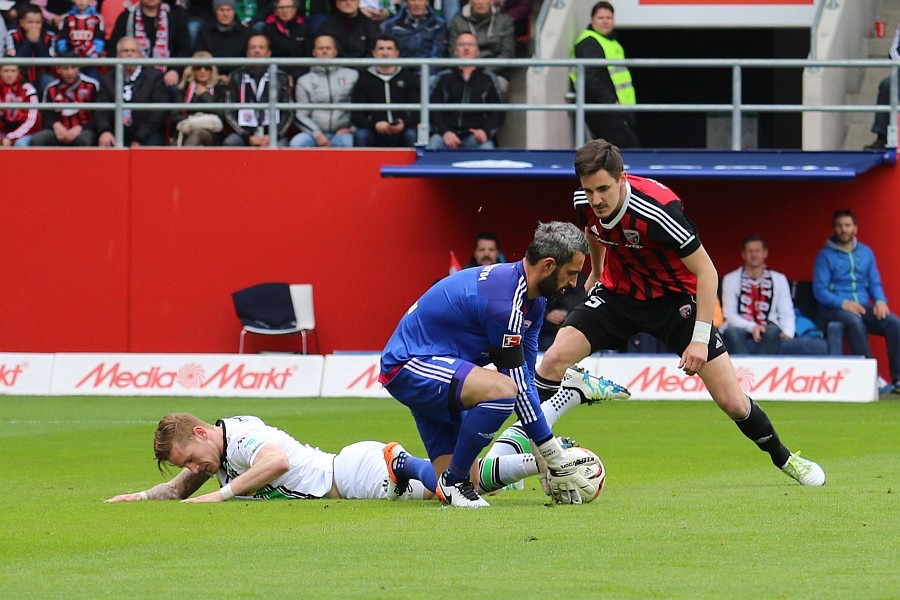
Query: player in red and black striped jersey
{"type": "Point", "coordinates": [32, 39]}
{"type": "Point", "coordinates": [650, 274]}
{"type": "Point", "coordinates": [63, 126]}
{"type": "Point", "coordinates": [646, 241]}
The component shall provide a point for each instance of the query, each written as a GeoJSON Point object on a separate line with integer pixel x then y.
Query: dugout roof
{"type": "Point", "coordinates": [669, 164]}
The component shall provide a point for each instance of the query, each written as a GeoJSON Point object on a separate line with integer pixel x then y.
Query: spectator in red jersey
{"type": "Point", "coordinates": [68, 127]}
{"type": "Point", "coordinates": [82, 31]}
{"type": "Point", "coordinates": [161, 32]}
{"type": "Point", "coordinates": [650, 273]}
{"type": "Point", "coordinates": [16, 124]}
{"type": "Point", "coordinates": [141, 84]}
{"type": "Point", "coordinates": [32, 39]}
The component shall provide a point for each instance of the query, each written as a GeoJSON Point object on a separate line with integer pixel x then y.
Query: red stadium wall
{"type": "Point", "coordinates": [138, 251]}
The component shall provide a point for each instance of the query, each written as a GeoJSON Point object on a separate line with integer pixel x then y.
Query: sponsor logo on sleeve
{"type": "Point", "coordinates": [511, 340]}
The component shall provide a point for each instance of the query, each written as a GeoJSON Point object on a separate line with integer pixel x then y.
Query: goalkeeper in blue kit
{"type": "Point", "coordinates": [434, 364]}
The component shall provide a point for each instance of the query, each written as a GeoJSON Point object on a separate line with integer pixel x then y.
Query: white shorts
{"type": "Point", "coordinates": [360, 471]}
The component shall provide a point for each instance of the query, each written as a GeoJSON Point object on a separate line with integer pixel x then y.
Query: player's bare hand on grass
{"type": "Point", "coordinates": [210, 497]}
{"type": "Point", "coordinates": [135, 497]}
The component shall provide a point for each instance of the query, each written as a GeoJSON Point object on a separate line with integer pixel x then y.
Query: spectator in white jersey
{"type": "Point", "coordinates": [253, 460]}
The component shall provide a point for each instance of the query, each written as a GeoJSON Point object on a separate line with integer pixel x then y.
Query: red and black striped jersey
{"type": "Point", "coordinates": [84, 34]}
{"type": "Point", "coordinates": [18, 46]}
{"type": "Point", "coordinates": [645, 241]}
{"type": "Point", "coordinates": [83, 89]}
{"type": "Point", "coordinates": [16, 123]}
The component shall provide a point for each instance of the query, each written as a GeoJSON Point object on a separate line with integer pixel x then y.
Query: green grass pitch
{"type": "Point", "coordinates": [691, 510]}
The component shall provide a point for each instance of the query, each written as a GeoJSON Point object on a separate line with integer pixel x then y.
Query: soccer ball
{"type": "Point", "coordinates": [592, 470]}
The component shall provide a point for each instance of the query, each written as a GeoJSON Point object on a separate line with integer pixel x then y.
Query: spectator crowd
{"type": "Point", "coordinates": [255, 29]}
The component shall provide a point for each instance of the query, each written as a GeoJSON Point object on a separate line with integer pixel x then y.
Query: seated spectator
{"type": "Point", "coordinates": [880, 125]}
{"type": "Point", "coordinates": [83, 33]}
{"type": "Point", "coordinates": [289, 34]}
{"type": "Point", "coordinates": [141, 84]}
{"type": "Point", "coordinates": [160, 30]}
{"type": "Point", "coordinates": [379, 85]}
{"type": "Point", "coordinates": [64, 127]}
{"type": "Point", "coordinates": [759, 312]}
{"type": "Point", "coordinates": [353, 31]}
{"type": "Point", "coordinates": [17, 125]}
{"type": "Point", "coordinates": [325, 85]}
{"type": "Point", "coordinates": [486, 250]}
{"type": "Point", "coordinates": [225, 37]}
{"type": "Point", "coordinates": [199, 85]}
{"type": "Point", "coordinates": [32, 39]}
{"type": "Point", "coordinates": [847, 284]}
{"type": "Point", "coordinates": [492, 29]}
{"type": "Point", "coordinates": [250, 126]}
{"type": "Point", "coordinates": [419, 31]}
{"type": "Point", "coordinates": [467, 129]}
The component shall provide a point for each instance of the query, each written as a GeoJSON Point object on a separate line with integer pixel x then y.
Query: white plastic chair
{"type": "Point", "coordinates": [304, 312]}
{"type": "Point", "coordinates": [303, 323]}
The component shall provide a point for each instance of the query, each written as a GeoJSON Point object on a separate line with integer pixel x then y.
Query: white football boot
{"type": "Point", "coordinates": [592, 388]}
{"type": "Point", "coordinates": [459, 495]}
{"type": "Point", "coordinates": [804, 471]}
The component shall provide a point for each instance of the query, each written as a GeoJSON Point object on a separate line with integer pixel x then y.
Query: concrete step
{"type": "Point", "coordinates": [860, 123]}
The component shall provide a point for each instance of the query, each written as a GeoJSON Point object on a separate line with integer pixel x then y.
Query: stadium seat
{"type": "Point", "coordinates": [805, 302]}
{"type": "Point", "coordinates": [276, 309]}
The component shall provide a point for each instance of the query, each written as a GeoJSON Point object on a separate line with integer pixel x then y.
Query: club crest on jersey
{"type": "Point", "coordinates": [685, 311]}
{"type": "Point", "coordinates": [511, 340]}
{"type": "Point", "coordinates": [632, 236]}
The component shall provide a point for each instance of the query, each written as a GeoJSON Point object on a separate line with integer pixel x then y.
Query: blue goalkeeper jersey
{"type": "Point", "coordinates": [474, 315]}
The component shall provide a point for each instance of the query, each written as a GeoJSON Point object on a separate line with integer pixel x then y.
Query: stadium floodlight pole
{"type": "Point", "coordinates": [736, 93]}
{"type": "Point", "coordinates": [273, 99]}
{"type": "Point", "coordinates": [424, 111]}
{"type": "Point", "coordinates": [119, 124]}
{"type": "Point", "coordinates": [579, 106]}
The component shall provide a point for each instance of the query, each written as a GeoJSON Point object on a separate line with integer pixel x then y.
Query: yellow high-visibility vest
{"type": "Point", "coordinates": [620, 75]}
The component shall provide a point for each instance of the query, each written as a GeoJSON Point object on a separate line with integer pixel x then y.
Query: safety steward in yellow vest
{"type": "Point", "coordinates": [611, 85]}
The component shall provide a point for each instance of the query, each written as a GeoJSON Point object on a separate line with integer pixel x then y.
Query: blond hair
{"type": "Point", "coordinates": [188, 75]}
{"type": "Point", "coordinates": [174, 428]}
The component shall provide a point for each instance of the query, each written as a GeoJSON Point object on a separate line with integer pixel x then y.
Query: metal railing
{"type": "Point", "coordinates": [428, 66]}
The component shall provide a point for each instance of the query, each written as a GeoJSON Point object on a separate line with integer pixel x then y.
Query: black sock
{"type": "Point", "coordinates": [759, 429]}
{"type": "Point", "coordinates": [545, 387]}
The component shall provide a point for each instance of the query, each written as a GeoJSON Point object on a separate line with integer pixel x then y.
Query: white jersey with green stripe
{"type": "Point", "coordinates": [312, 470]}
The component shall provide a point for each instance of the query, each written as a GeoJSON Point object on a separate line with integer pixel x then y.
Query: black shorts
{"type": "Point", "coordinates": [608, 319]}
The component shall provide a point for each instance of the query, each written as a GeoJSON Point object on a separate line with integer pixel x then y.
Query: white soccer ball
{"type": "Point", "coordinates": [592, 470]}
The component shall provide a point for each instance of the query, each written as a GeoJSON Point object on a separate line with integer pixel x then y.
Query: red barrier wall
{"type": "Point", "coordinates": [139, 250]}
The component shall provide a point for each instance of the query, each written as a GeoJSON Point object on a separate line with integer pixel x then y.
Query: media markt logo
{"type": "Point", "coordinates": [776, 380]}
{"type": "Point", "coordinates": [190, 376]}
{"type": "Point", "coordinates": [10, 375]}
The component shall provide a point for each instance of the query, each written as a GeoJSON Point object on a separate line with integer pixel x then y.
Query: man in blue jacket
{"type": "Point", "coordinates": [847, 284]}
